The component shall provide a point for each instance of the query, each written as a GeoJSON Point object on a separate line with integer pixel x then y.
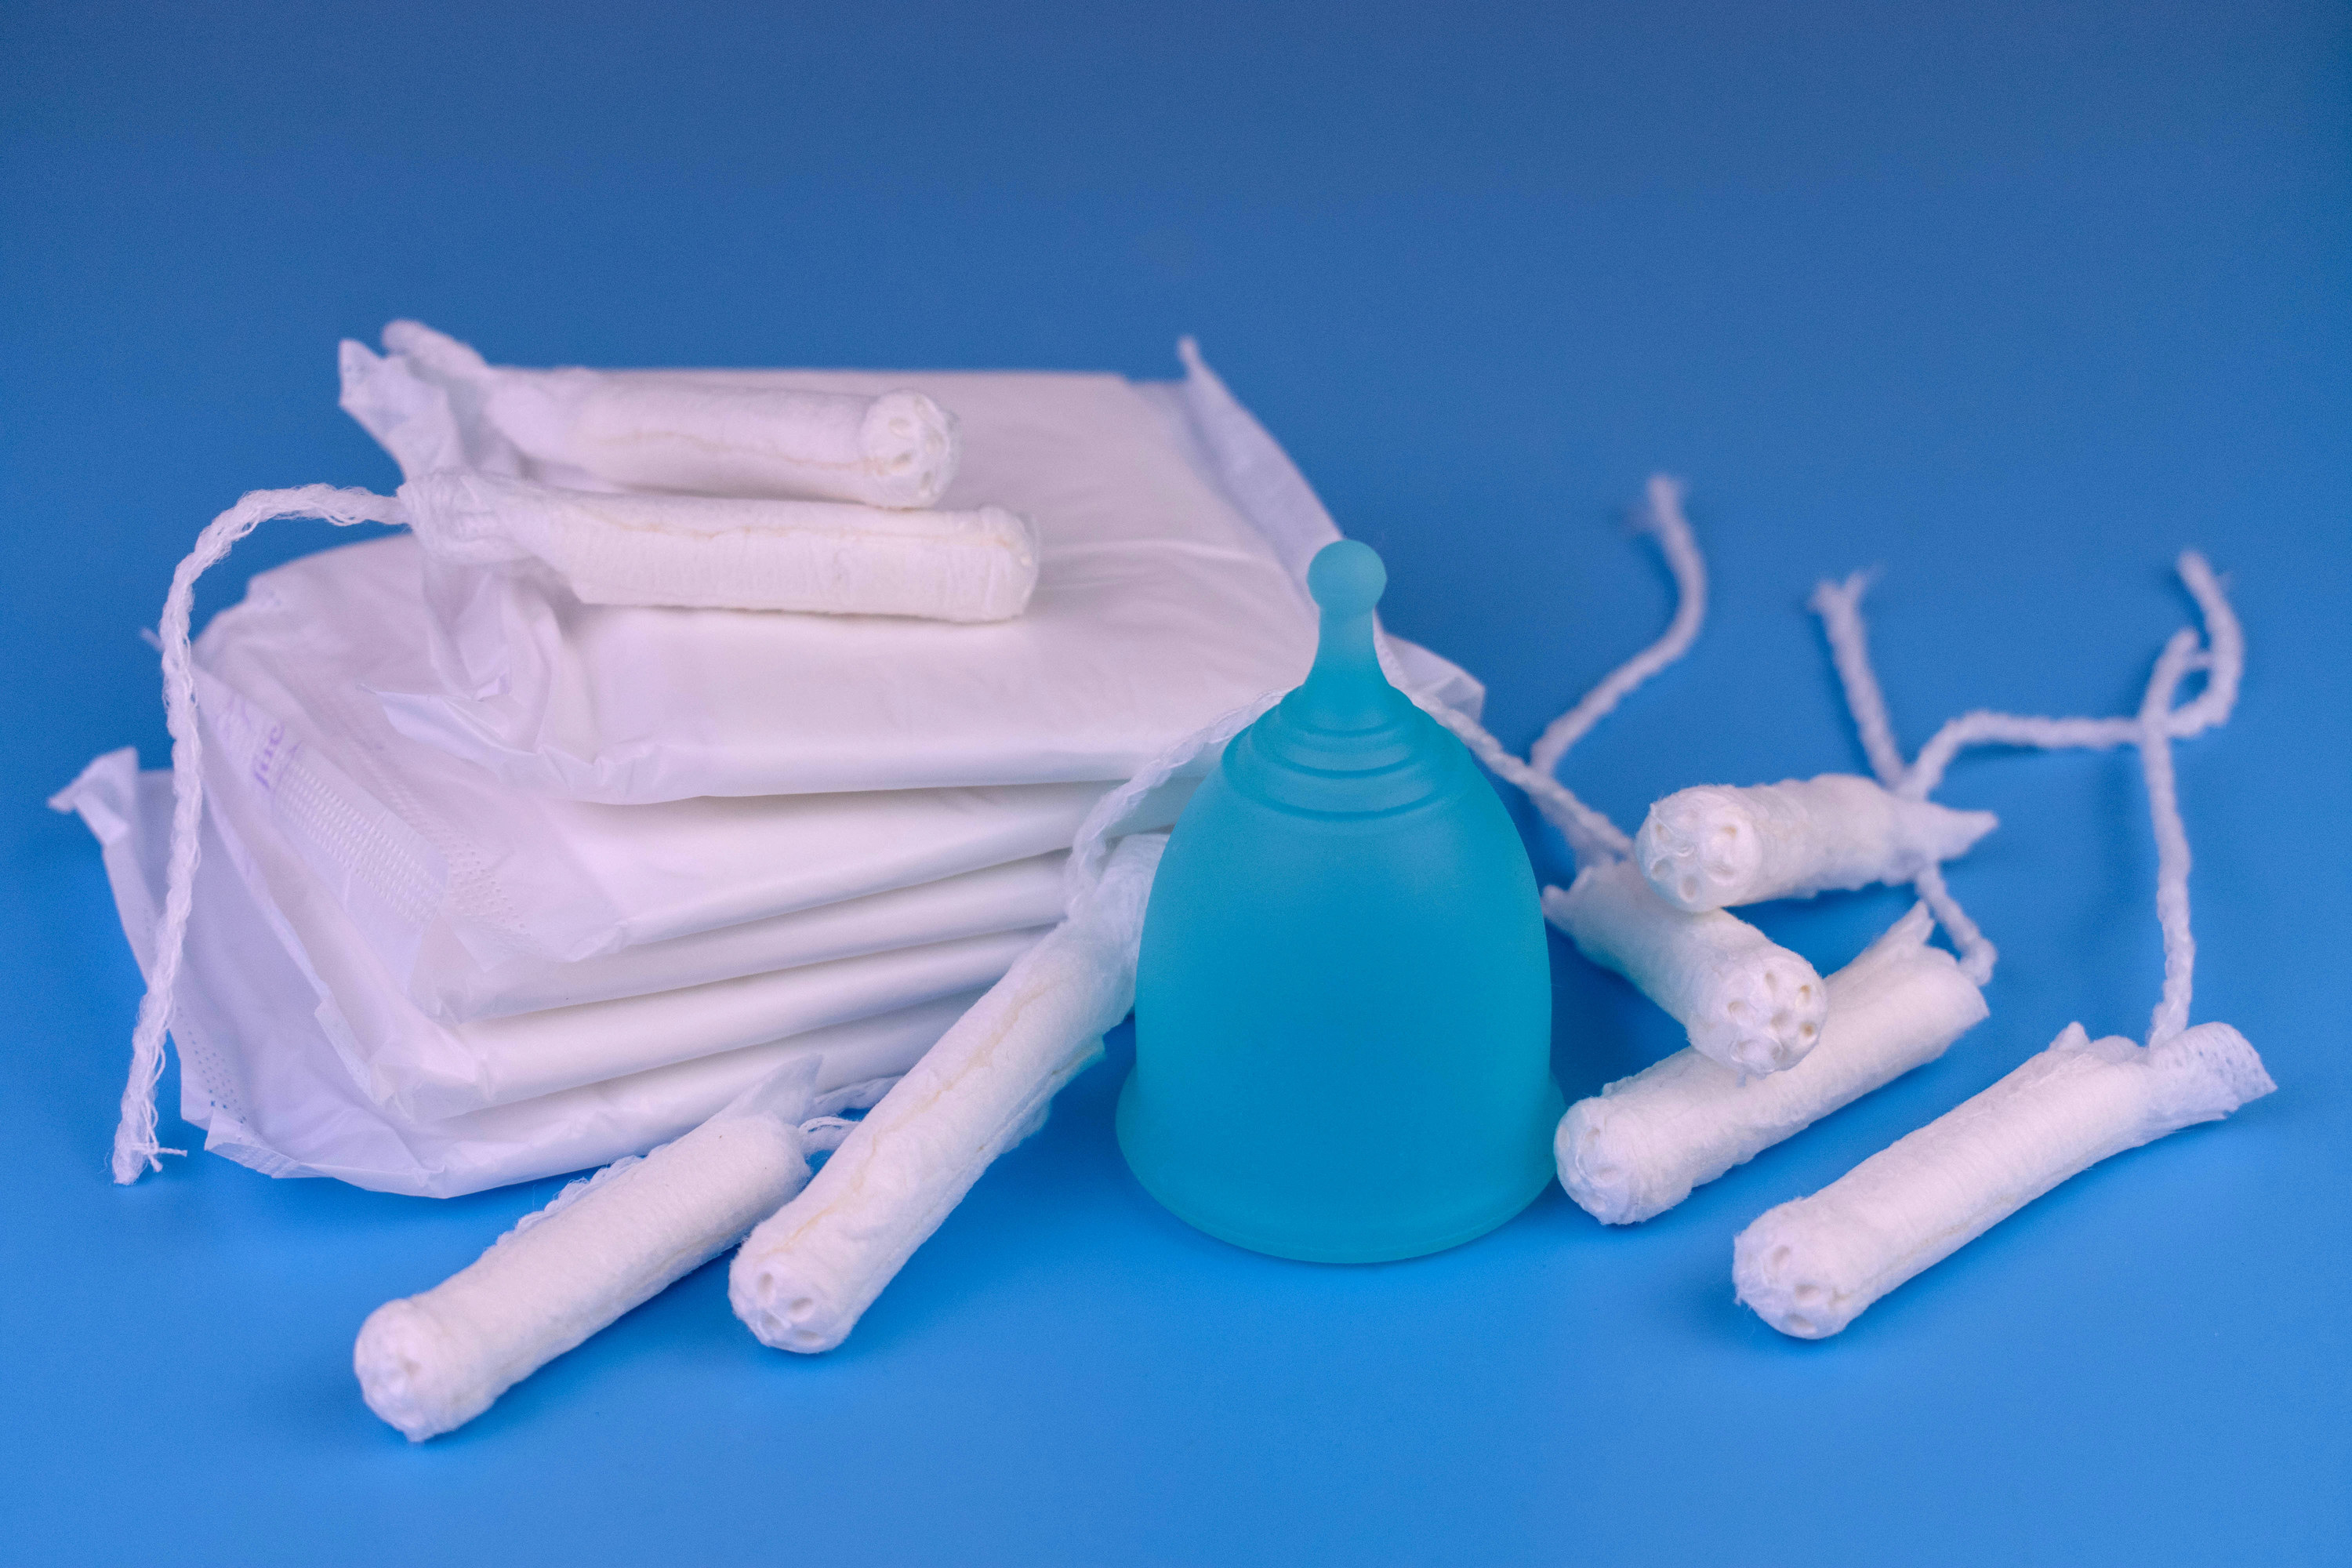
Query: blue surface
{"type": "Point", "coordinates": [2012, 302]}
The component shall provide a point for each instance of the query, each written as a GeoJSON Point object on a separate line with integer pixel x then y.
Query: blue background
{"type": "Point", "coordinates": [2011, 301]}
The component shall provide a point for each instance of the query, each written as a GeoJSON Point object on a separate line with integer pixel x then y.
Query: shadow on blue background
{"type": "Point", "coordinates": [2012, 302]}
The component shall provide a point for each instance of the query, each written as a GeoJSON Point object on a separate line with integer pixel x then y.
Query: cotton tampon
{"type": "Point", "coordinates": [1745, 1003]}
{"type": "Point", "coordinates": [1637, 1148]}
{"type": "Point", "coordinates": [1715, 847]}
{"type": "Point", "coordinates": [707, 431]}
{"type": "Point", "coordinates": [430, 1364]}
{"type": "Point", "coordinates": [1811, 1266]}
{"type": "Point", "coordinates": [807, 1274]}
{"type": "Point", "coordinates": [720, 552]}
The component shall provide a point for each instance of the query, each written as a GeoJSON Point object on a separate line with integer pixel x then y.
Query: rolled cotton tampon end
{"type": "Point", "coordinates": [805, 1276]}
{"type": "Point", "coordinates": [430, 1364]}
{"type": "Point", "coordinates": [731, 554]}
{"type": "Point", "coordinates": [1716, 847]}
{"type": "Point", "coordinates": [709, 435]}
{"type": "Point", "coordinates": [1754, 1006]}
{"type": "Point", "coordinates": [1811, 1267]}
{"type": "Point", "coordinates": [1637, 1148]}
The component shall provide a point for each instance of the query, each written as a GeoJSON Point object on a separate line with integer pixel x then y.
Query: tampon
{"type": "Point", "coordinates": [806, 1274]}
{"type": "Point", "coordinates": [430, 1364]}
{"type": "Point", "coordinates": [1717, 848]}
{"type": "Point", "coordinates": [720, 552]}
{"type": "Point", "coordinates": [707, 431]}
{"type": "Point", "coordinates": [1811, 1266]}
{"type": "Point", "coordinates": [1751, 1006]}
{"type": "Point", "coordinates": [1637, 1148]}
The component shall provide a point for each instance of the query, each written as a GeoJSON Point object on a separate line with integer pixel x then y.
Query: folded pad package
{"type": "Point", "coordinates": [419, 1068]}
{"type": "Point", "coordinates": [260, 1075]}
{"type": "Point", "coordinates": [1158, 607]}
{"type": "Point", "coordinates": [481, 900]}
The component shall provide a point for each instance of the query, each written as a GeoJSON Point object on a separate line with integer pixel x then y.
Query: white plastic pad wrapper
{"type": "Point", "coordinates": [483, 899]}
{"type": "Point", "coordinates": [1158, 607]}
{"type": "Point", "coordinates": [260, 1075]}
{"type": "Point", "coordinates": [417, 1067]}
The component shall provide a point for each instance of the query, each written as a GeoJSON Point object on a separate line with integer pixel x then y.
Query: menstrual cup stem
{"type": "Point", "coordinates": [1345, 690]}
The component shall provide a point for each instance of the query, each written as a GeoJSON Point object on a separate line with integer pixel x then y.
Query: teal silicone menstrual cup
{"type": "Point", "coordinates": [1343, 1007]}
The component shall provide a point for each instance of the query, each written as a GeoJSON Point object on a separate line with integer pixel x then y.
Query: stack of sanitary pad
{"type": "Point", "coordinates": [498, 882]}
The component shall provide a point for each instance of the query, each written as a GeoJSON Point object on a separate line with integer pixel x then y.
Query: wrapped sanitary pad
{"type": "Point", "coordinates": [419, 1068]}
{"type": "Point", "coordinates": [260, 1075]}
{"type": "Point", "coordinates": [478, 899]}
{"type": "Point", "coordinates": [1158, 607]}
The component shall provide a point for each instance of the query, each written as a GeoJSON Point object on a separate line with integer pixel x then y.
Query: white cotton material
{"type": "Point", "coordinates": [418, 1067]}
{"type": "Point", "coordinates": [1747, 1003]}
{"type": "Point", "coordinates": [1158, 605]}
{"type": "Point", "coordinates": [731, 552]}
{"type": "Point", "coordinates": [431, 1362]}
{"type": "Point", "coordinates": [806, 1274]}
{"type": "Point", "coordinates": [2223, 663]}
{"type": "Point", "coordinates": [260, 1075]}
{"type": "Point", "coordinates": [456, 879]}
{"type": "Point", "coordinates": [1810, 1268]}
{"type": "Point", "coordinates": [1662, 516]}
{"type": "Point", "coordinates": [1637, 1148]}
{"type": "Point", "coordinates": [1718, 846]}
{"type": "Point", "coordinates": [1591, 837]}
{"type": "Point", "coordinates": [434, 403]}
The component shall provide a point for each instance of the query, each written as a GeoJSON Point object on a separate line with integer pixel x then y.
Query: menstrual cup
{"type": "Point", "coordinates": [1343, 1004]}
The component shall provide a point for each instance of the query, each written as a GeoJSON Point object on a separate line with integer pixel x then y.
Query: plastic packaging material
{"type": "Point", "coordinates": [1637, 1148]}
{"type": "Point", "coordinates": [731, 554]}
{"type": "Point", "coordinates": [1026, 895]}
{"type": "Point", "coordinates": [420, 1068]}
{"type": "Point", "coordinates": [1715, 847]}
{"type": "Point", "coordinates": [1810, 1268]}
{"type": "Point", "coordinates": [1750, 1004]}
{"type": "Point", "coordinates": [429, 1364]}
{"type": "Point", "coordinates": [1347, 922]}
{"type": "Point", "coordinates": [259, 1074]}
{"type": "Point", "coordinates": [807, 1274]}
{"type": "Point", "coordinates": [456, 879]}
{"type": "Point", "coordinates": [437, 404]}
{"type": "Point", "coordinates": [1158, 606]}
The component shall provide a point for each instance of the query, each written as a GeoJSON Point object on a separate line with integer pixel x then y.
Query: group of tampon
{"type": "Point", "coordinates": [690, 493]}
{"type": "Point", "coordinates": [1774, 1048]}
